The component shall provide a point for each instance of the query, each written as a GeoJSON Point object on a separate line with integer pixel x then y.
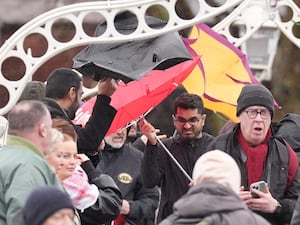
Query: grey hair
{"type": "Point", "coordinates": [26, 115]}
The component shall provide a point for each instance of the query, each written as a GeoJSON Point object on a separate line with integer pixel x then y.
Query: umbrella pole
{"type": "Point", "coordinates": [173, 158]}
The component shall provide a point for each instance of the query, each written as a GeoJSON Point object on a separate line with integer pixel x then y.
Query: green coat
{"type": "Point", "coordinates": [22, 168]}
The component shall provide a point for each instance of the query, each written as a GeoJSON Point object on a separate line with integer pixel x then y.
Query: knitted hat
{"type": "Point", "coordinates": [217, 166]}
{"type": "Point", "coordinates": [255, 94]}
{"type": "Point", "coordinates": [43, 202]}
{"type": "Point", "coordinates": [34, 90]}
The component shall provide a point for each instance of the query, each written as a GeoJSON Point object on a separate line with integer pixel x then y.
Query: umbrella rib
{"type": "Point", "coordinates": [173, 158]}
{"type": "Point", "coordinates": [136, 120]}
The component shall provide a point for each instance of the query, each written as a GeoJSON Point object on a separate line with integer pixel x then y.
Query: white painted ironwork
{"type": "Point", "coordinates": [3, 131]}
{"type": "Point", "coordinates": [76, 14]}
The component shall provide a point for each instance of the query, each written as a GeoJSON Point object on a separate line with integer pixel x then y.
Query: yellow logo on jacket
{"type": "Point", "coordinates": [125, 178]}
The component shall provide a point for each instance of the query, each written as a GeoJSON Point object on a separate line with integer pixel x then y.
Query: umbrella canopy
{"type": "Point", "coordinates": [132, 60]}
{"type": "Point", "coordinates": [221, 73]}
{"type": "Point", "coordinates": [132, 100]}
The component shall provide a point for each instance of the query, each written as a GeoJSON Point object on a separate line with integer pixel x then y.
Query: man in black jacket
{"type": "Point", "coordinates": [63, 98]}
{"type": "Point", "coordinates": [123, 163]}
{"type": "Point", "coordinates": [262, 156]}
{"type": "Point", "coordinates": [186, 146]}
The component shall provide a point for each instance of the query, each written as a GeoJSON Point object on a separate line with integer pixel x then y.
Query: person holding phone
{"type": "Point", "coordinates": [216, 179]}
{"type": "Point", "coordinates": [262, 156]}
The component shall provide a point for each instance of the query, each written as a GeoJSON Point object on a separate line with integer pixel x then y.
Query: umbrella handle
{"type": "Point", "coordinates": [173, 158]}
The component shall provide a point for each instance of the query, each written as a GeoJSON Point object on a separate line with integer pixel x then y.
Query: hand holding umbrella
{"type": "Point", "coordinates": [150, 132]}
{"type": "Point", "coordinates": [107, 86]}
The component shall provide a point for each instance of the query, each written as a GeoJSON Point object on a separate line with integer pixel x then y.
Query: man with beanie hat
{"type": "Point", "coordinates": [262, 156]}
{"type": "Point", "coordinates": [216, 179]}
{"type": "Point", "coordinates": [255, 94]}
{"type": "Point", "coordinates": [46, 205]}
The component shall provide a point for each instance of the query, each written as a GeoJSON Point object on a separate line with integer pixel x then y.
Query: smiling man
{"type": "Point", "coordinates": [261, 156]}
{"type": "Point", "coordinates": [187, 146]}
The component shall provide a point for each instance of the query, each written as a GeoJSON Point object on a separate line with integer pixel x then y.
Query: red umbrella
{"type": "Point", "coordinates": [137, 97]}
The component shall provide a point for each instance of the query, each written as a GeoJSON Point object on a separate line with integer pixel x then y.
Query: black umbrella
{"type": "Point", "coordinates": [131, 60]}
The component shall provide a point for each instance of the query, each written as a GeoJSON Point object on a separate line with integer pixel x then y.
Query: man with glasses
{"type": "Point", "coordinates": [262, 156]}
{"type": "Point", "coordinates": [186, 146]}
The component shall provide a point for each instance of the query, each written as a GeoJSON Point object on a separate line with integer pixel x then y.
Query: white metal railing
{"type": "Point", "coordinates": [76, 14]}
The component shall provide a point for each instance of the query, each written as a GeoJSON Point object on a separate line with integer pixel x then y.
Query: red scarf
{"type": "Point", "coordinates": [120, 220]}
{"type": "Point", "coordinates": [256, 157]}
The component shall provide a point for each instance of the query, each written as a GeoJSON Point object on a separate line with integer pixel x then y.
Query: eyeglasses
{"type": "Point", "coordinates": [182, 121]}
{"type": "Point", "coordinates": [264, 113]}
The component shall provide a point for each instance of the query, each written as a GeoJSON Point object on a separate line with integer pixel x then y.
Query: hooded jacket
{"type": "Point", "coordinates": [209, 199]}
{"type": "Point", "coordinates": [95, 129]}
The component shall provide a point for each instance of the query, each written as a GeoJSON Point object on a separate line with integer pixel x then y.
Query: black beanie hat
{"type": "Point", "coordinates": [255, 94]}
{"type": "Point", "coordinates": [43, 202]}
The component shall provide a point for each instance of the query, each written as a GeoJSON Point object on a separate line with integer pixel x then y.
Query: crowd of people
{"type": "Point", "coordinates": [55, 172]}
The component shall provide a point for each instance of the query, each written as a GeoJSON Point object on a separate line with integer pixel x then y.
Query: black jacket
{"type": "Point", "coordinates": [124, 166]}
{"type": "Point", "coordinates": [296, 215]}
{"type": "Point", "coordinates": [159, 169]}
{"type": "Point", "coordinates": [109, 202]}
{"type": "Point", "coordinates": [95, 129]}
{"type": "Point", "coordinates": [275, 172]}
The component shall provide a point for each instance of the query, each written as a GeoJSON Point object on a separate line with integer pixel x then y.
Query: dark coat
{"type": "Point", "coordinates": [275, 172]}
{"type": "Point", "coordinates": [159, 169]}
{"type": "Point", "coordinates": [95, 129]}
{"type": "Point", "coordinates": [206, 199]}
{"type": "Point", "coordinates": [296, 215]}
{"type": "Point", "coordinates": [109, 202]}
{"type": "Point", "coordinates": [124, 166]}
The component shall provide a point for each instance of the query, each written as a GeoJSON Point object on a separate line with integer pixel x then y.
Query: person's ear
{"type": "Point", "coordinates": [174, 120]}
{"type": "Point", "coordinates": [42, 130]}
{"type": "Point", "coordinates": [238, 119]}
{"type": "Point", "coordinates": [203, 116]}
{"type": "Point", "coordinates": [72, 93]}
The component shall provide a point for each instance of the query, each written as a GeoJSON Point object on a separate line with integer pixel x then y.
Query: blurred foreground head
{"type": "Point", "coordinates": [48, 205]}
{"type": "Point", "coordinates": [219, 167]}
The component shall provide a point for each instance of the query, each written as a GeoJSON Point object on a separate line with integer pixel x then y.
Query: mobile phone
{"type": "Point", "coordinates": [260, 186]}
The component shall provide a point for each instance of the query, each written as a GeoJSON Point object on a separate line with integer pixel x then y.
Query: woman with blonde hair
{"type": "Point", "coordinates": [95, 195]}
